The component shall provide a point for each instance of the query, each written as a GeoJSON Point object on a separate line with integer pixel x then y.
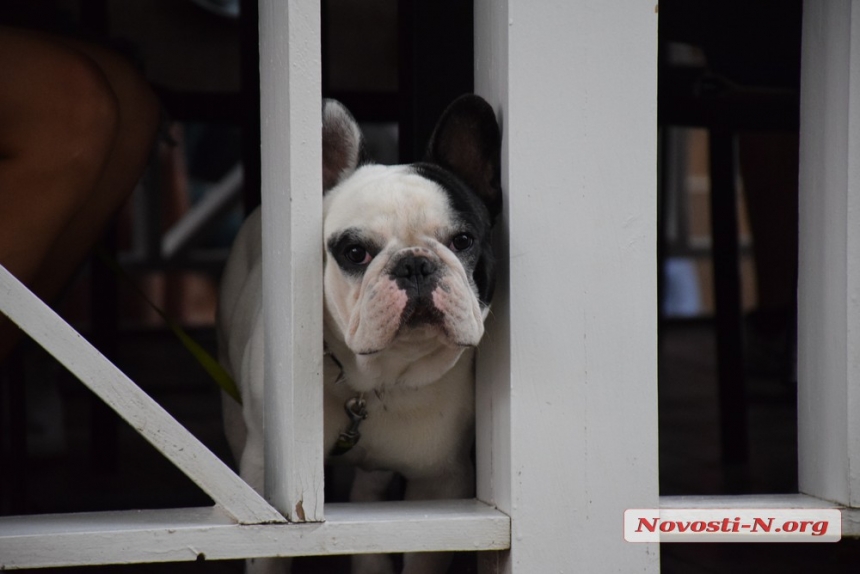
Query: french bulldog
{"type": "Point", "coordinates": [408, 278]}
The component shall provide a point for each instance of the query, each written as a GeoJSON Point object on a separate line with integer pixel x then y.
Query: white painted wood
{"type": "Point", "coordinates": [850, 516]}
{"type": "Point", "coordinates": [829, 281]}
{"type": "Point", "coordinates": [186, 534]}
{"type": "Point", "coordinates": [746, 501]}
{"type": "Point", "coordinates": [131, 403]}
{"type": "Point", "coordinates": [492, 390]}
{"type": "Point", "coordinates": [567, 378]}
{"type": "Point", "coordinates": [292, 256]}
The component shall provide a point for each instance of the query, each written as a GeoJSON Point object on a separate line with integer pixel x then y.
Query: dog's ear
{"type": "Point", "coordinates": [467, 142]}
{"type": "Point", "coordinates": [342, 143]}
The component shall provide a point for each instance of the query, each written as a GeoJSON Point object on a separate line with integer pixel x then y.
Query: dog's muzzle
{"type": "Point", "coordinates": [417, 275]}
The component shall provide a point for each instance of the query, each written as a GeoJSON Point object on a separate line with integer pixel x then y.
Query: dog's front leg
{"type": "Point", "coordinates": [370, 486]}
{"type": "Point", "coordinates": [251, 374]}
{"type": "Point", "coordinates": [268, 566]}
{"type": "Point", "coordinates": [252, 465]}
{"type": "Point", "coordinates": [458, 483]}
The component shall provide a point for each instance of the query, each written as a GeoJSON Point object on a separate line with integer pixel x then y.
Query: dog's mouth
{"type": "Point", "coordinates": [420, 322]}
{"type": "Point", "coordinates": [421, 312]}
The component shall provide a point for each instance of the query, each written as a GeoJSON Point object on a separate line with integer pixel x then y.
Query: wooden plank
{"type": "Point", "coordinates": [567, 390]}
{"type": "Point", "coordinates": [493, 368]}
{"type": "Point", "coordinates": [829, 272]}
{"type": "Point", "coordinates": [197, 533]}
{"type": "Point", "coordinates": [292, 255]}
{"type": "Point", "coordinates": [746, 501]}
{"type": "Point", "coordinates": [131, 403]}
{"type": "Point", "coordinates": [850, 516]}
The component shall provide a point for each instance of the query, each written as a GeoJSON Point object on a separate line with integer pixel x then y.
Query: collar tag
{"type": "Point", "coordinates": [356, 410]}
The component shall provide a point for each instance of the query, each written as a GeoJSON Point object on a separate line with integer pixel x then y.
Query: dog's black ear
{"type": "Point", "coordinates": [467, 142]}
{"type": "Point", "coordinates": [341, 142]}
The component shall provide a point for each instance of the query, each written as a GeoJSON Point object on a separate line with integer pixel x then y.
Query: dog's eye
{"type": "Point", "coordinates": [461, 242]}
{"type": "Point", "coordinates": [357, 254]}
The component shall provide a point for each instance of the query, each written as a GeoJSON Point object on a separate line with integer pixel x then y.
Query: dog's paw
{"type": "Point", "coordinates": [268, 566]}
{"type": "Point", "coordinates": [372, 564]}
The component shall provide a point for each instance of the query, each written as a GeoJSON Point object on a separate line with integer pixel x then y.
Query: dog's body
{"type": "Point", "coordinates": [408, 277]}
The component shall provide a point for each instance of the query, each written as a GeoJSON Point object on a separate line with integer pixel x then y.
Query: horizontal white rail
{"type": "Point", "coordinates": [207, 533]}
{"type": "Point", "coordinates": [850, 516]}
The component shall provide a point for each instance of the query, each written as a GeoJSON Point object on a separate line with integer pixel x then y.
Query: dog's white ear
{"type": "Point", "coordinates": [341, 143]}
{"type": "Point", "coordinates": [468, 143]}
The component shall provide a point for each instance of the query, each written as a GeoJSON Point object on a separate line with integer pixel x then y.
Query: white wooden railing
{"type": "Point", "coordinates": [829, 274]}
{"type": "Point", "coordinates": [567, 409]}
{"type": "Point", "coordinates": [567, 426]}
{"type": "Point", "coordinates": [291, 128]}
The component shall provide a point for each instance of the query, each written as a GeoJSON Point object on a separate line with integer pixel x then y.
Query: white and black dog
{"type": "Point", "coordinates": [408, 278]}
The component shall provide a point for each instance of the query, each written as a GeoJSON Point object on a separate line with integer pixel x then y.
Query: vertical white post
{"type": "Point", "coordinates": [569, 371]}
{"type": "Point", "coordinates": [829, 281]}
{"type": "Point", "coordinates": [292, 259]}
{"type": "Point", "coordinates": [493, 392]}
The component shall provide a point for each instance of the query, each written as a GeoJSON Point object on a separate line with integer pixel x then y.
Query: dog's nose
{"type": "Point", "coordinates": [414, 267]}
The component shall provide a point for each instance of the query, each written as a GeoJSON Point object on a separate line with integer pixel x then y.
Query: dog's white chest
{"type": "Point", "coordinates": [409, 430]}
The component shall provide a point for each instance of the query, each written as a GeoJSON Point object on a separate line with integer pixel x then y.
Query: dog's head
{"type": "Point", "coordinates": [408, 263]}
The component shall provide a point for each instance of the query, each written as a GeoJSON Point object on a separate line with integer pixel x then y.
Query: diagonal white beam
{"type": "Point", "coordinates": [120, 393]}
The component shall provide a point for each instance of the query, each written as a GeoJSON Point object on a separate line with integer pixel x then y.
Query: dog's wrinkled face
{"type": "Point", "coordinates": [408, 264]}
{"type": "Point", "coordinates": [400, 261]}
